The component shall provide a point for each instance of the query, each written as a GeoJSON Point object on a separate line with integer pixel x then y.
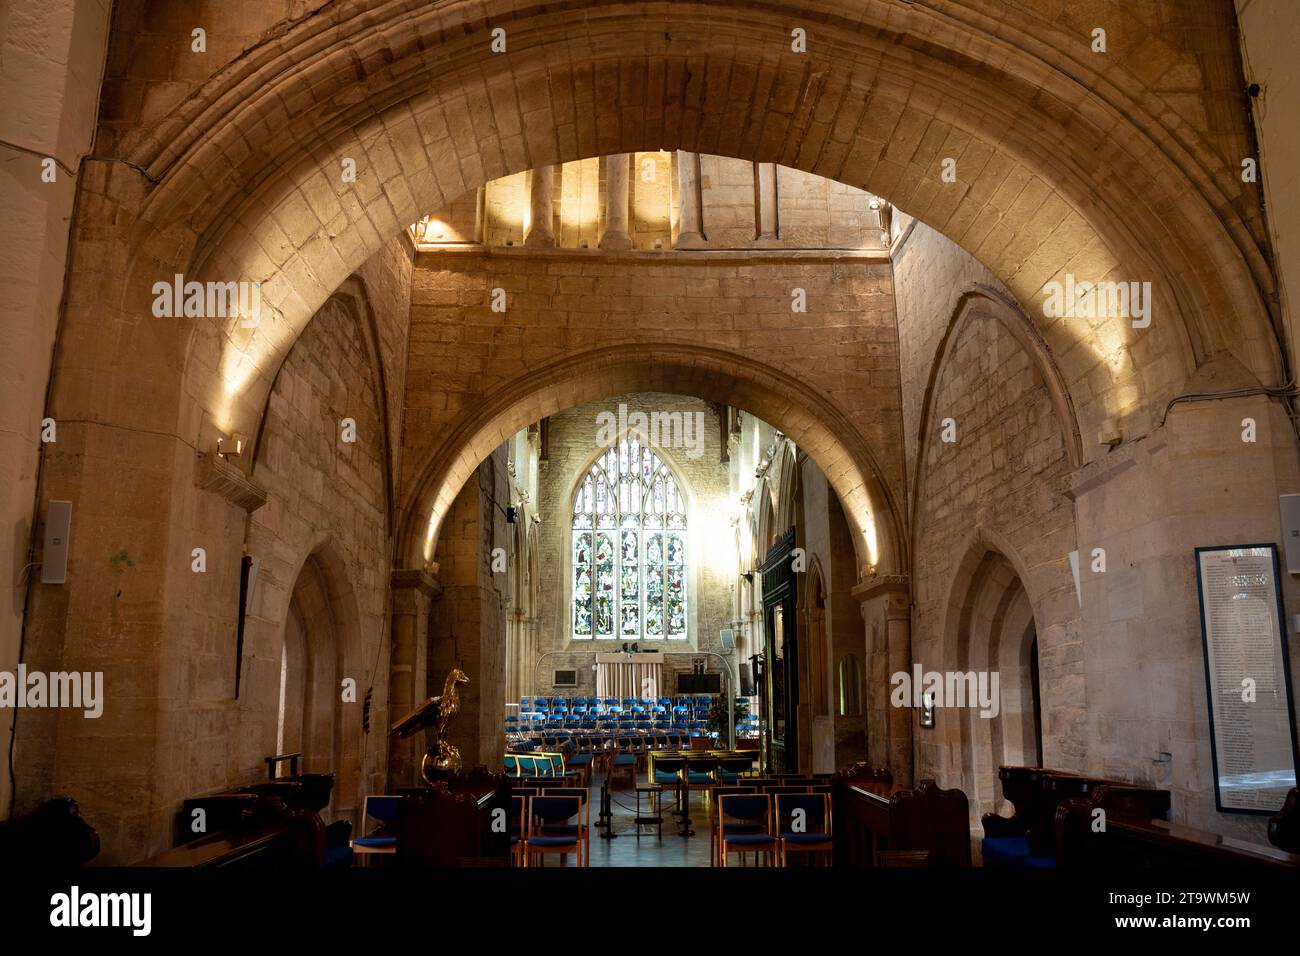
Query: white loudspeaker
{"type": "Point", "coordinates": [728, 638]}
{"type": "Point", "coordinates": [54, 561]}
{"type": "Point", "coordinates": [1289, 505]}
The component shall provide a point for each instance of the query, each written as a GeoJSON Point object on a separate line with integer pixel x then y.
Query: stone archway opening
{"type": "Point", "coordinates": [860, 480]}
{"type": "Point", "coordinates": [997, 653]}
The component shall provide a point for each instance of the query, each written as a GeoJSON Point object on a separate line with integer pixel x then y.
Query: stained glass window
{"type": "Point", "coordinates": [629, 548]}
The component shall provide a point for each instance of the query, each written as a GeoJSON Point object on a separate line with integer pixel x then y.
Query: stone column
{"type": "Point", "coordinates": [408, 680]}
{"type": "Point", "coordinates": [767, 218]}
{"type": "Point", "coordinates": [541, 228]}
{"type": "Point", "coordinates": [690, 233]}
{"type": "Point", "coordinates": [480, 215]}
{"type": "Point", "coordinates": [886, 615]}
{"type": "Point", "coordinates": [616, 234]}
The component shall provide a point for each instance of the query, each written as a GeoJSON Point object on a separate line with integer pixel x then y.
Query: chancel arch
{"type": "Point", "coordinates": [789, 404]}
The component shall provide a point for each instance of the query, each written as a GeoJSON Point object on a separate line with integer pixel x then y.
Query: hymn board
{"type": "Point", "coordinates": [1247, 677]}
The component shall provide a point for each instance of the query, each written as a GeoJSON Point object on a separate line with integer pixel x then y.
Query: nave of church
{"type": "Point", "coordinates": [691, 434]}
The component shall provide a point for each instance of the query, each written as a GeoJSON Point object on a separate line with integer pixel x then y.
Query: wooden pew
{"type": "Point", "coordinates": [52, 835]}
{"type": "Point", "coordinates": [1132, 839]}
{"type": "Point", "coordinates": [1029, 838]}
{"type": "Point", "coordinates": [255, 830]}
{"type": "Point", "coordinates": [880, 824]}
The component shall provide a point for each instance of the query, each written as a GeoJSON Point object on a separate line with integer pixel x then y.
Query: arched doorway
{"type": "Point", "coordinates": [316, 711]}
{"type": "Point", "coordinates": [996, 656]}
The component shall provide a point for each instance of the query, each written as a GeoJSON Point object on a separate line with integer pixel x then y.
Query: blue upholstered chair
{"type": "Point", "coordinates": [382, 836]}
{"type": "Point", "coordinates": [555, 813]}
{"type": "Point", "coordinates": [715, 818]}
{"type": "Point", "coordinates": [745, 825]}
{"type": "Point", "coordinates": [1012, 851]}
{"type": "Point", "coordinates": [803, 824]}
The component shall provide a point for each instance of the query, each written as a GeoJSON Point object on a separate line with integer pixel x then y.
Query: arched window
{"type": "Point", "coordinates": [629, 549]}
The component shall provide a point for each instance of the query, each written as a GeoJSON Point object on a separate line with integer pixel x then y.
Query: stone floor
{"type": "Point", "coordinates": [651, 849]}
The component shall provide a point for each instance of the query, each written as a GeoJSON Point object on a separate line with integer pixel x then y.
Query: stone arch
{"type": "Point", "coordinates": [820, 652]}
{"type": "Point", "coordinates": [765, 526]}
{"type": "Point", "coordinates": [990, 626]}
{"type": "Point", "coordinates": [323, 611]}
{"type": "Point", "coordinates": [730, 378]}
{"type": "Point", "coordinates": [352, 299]}
{"type": "Point", "coordinates": [789, 507]}
{"type": "Point", "coordinates": [981, 303]}
{"type": "Point", "coordinates": [246, 168]}
{"type": "Point", "coordinates": [975, 306]}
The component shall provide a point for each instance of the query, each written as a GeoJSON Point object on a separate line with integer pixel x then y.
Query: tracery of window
{"type": "Point", "coordinates": [629, 549]}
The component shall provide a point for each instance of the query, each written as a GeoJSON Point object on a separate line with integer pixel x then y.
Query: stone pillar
{"type": "Point", "coordinates": [408, 678]}
{"type": "Point", "coordinates": [767, 218]}
{"type": "Point", "coordinates": [541, 228]}
{"type": "Point", "coordinates": [690, 234]}
{"type": "Point", "coordinates": [886, 615]}
{"type": "Point", "coordinates": [480, 215]}
{"type": "Point", "coordinates": [616, 234]}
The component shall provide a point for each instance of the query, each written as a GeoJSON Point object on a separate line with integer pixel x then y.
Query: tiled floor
{"type": "Point", "coordinates": [625, 849]}
{"type": "Point", "coordinates": [650, 850]}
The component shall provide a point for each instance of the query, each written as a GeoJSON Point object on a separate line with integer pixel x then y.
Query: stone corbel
{"type": "Point", "coordinates": [422, 581]}
{"type": "Point", "coordinates": [217, 475]}
{"type": "Point", "coordinates": [876, 584]}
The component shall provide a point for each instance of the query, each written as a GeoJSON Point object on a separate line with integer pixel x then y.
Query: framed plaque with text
{"type": "Point", "coordinates": [1247, 677]}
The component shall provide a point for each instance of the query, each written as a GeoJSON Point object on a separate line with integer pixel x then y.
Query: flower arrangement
{"type": "Point", "coordinates": [718, 715]}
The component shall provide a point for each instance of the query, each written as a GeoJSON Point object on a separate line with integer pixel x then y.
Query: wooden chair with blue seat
{"type": "Point", "coordinates": [563, 816]}
{"type": "Point", "coordinates": [518, 825]}
{"type": "Point", "coordinates": [702, 774]}
{"type": "Point", "coordinates": [583, 825]}
{"type": "Point", "coordinates": [803, 825]}
{"type": "Point", "coordinates": [624, 760]}
{"type": "Point", "coordinates": [666, 771]}
{"type": "Point", "coordinates": [745, 826]}
{"type": "Point", "coordinates": [715, 817]}
{"type": "Point", "coordinates": [380, 839]}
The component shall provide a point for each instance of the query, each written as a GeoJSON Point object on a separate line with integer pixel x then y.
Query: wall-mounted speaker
{"type": "Point", "coordinates": [728, 638]}
{"type": "Point", "coordinates": [747, 686]}
{"type": "Point", "coordinates": [54, 560]}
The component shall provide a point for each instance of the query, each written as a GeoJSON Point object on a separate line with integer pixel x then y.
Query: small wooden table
{"type": "Point", "coordinates": [655, 794]}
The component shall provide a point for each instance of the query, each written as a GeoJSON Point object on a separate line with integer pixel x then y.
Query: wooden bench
{"type": "Point", "coordinates": [1029, 838]}
{"type": "Point", "coordinates": [1130, 838]}
{"type": "Point", "coordinates": [880, 824]}
{"type": "Point", "coordinates": [248, 830]}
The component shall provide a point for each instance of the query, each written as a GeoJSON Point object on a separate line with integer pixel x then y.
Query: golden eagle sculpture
{"type": "Point", "coordinates": [442, 759]}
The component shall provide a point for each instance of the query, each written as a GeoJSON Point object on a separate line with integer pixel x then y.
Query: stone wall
{"type": "Point", "coordinates": [572, 448]}
{"type": "Point", "coordinates": [325, 517]}
{"type": "Point", "coordinates": [51, 58]}
{"type": "Point", "coordinates": [1122, 680]}
{"type": "Point", "coordinates": [467, 624]}
{"type": "Point", "coordinates": [562, 303]}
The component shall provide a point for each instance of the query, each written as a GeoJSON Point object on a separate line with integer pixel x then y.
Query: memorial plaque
{"type": "Point", "coordinates": [1247, 677]}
